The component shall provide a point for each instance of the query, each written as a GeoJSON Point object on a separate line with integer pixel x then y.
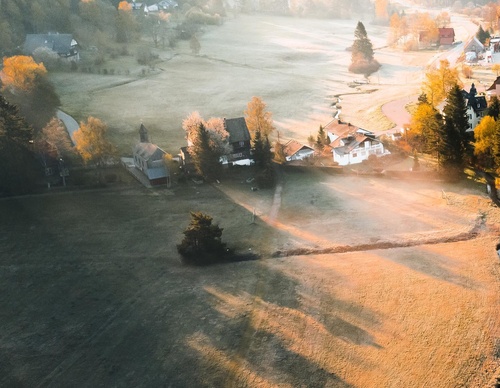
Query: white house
{"type": "Point", "coordinates": [351, 145]}
{"type": "Point", "coordinates": [297, 151]}
{"type": "Point", "coordinates": [148, 158]}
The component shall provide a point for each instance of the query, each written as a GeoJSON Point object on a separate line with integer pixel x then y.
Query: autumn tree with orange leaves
{"type": "Point", "coordinates": [92, 144]}
{"type": "Point", "coordinates": [25, 84]}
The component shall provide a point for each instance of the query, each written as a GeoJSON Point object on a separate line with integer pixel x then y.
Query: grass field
{"type": "Point", "coordinates": [92, 292]}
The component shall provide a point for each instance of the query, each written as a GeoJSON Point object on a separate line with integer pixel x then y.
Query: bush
{"type": "Point", "coordinates": [365, 67]}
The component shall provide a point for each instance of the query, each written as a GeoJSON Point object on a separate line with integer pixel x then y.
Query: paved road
{"type": "Point", "coordinates": [397, 113]}
{"type": "Point", "coordinates": [69, 122]}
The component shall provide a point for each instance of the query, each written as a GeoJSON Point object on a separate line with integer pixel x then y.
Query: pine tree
{"type": "Point", "coordinates": [362, 60]}
{"type": "Point", "coordinates": [494, 108]}
{"type": "Point", "coordinates": [18, 167]}
{"type": "Point", "coordinates": [261, 151]}
{"type": "Point", "coordinates": [202, 242]}
{"type": "Point", "coordinates": [453, 142]}
{"type": "Point", "coordinates": [482, 35]}
{"type": "Point", "coordinates": [206, 158]}
{"type": "Point", "coordinates": [362, 45]}
{"type": "Point", "coordinates": [321, 138]}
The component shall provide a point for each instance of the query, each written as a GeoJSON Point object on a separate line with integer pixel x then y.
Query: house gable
{"type": "Point", "coordinates": [63, 44]}
{"type": "Point", "coordinates": [446, 36]}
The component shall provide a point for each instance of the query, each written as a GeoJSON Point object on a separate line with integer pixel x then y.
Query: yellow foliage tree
{"type": "Point", "coordinates": [496, 68]}
{"type": "Point", "coordinates": [92, 144]}
{"type": "Point", "coordinates": [484, 136]}
{"type": "Point", "coordinates": [257, 118]}
{"type": "Point", "coordinates": [423, 126]}
{"type": "Point", "coordinates": [381, 9]}
{"type": "Point", "coordinates": [439, 81]}
{"type": "Point", "coordinates": [124, 6]}
{"type": "Point", "coordinates": [21, 72]}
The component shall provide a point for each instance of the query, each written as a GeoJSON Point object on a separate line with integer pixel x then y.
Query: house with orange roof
{"type": "Point", "coordinates": [350, 144]}
{"type": "Point", "coordinates": [297, 151]}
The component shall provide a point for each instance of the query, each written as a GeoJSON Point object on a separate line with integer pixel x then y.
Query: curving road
{"type": "Point", "coordinates": [69, 122]}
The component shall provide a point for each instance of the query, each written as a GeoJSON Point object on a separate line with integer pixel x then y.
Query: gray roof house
{"type": "Point", "coordinates": [148, 158]}
{"type": "Point", "coordinates": [239, 139]}
{"type": "Point", "coordinates": [63, 44]}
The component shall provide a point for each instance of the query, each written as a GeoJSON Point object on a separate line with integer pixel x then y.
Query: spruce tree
{"type": "Point", "coordinates": [362, 60]}
{"type": "Point", "coordinates": [362, 45]}
{"type": "Point", "coordinates": [206, 158]}
{"type": "Point", "coordinates": [494, 108]}
{"type": "Point", "coordinates": [321, 138]}
{"type": "Point", "coordinates": [453, 142]}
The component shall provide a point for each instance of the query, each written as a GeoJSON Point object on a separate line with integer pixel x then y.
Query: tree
{"type": "Point", "coordinates": [92, 144]}
{"type": "Point", "coordinates": [496, 147]}
{"type": "Point", "coordinates": [495, 68]}
{"type": "Point", "coordinates": [453, 142]}
{"type": "Point", "coordinates": [439, 81]}
{"type": "Point", "coordinates": [321, 138]}
{"type": "Point", "coordinates": [56, 135]}
{"type": "Point", "coordinates": [257, 118]}
{"type": "Point", "coordinates": [381, 13]}
{"type": "Point", "coordinates": [25, 84]}
{"type": "Point", "coordinates": [362, 60]}
{"type": "Point", "coordinates": [482, 35]}
{"type": "Point", "coordinates": [484, 136]}
{"type": "Point", "coordinates": [194, 45]}
{"type": "Point", "coordinates": [424, 124]}
{"type": "Point", "coordinates": [18, 167]}
{"type": "Point", "coordinates": [279, 153]}
{"type": "Point", "coordinates": [202, 242]}
{"type": "Point", "coordinates": [261, 151]}
{"type": "Point", "coordinates": [205, 156]}
{"type": "Point", "coordinates": [494, 108]}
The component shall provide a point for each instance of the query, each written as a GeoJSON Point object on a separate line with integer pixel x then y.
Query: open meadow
{"type": "Point", "coordinates": [360, 281]}
{"type": "Point", "coordinates": [297, 66]}
{"type": "Point", "coordinates": [92, 292]}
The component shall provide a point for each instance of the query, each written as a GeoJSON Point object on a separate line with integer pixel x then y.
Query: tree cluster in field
{"type": "Point", "coordinates": [362, 60]}
{"type": "Point", "coordinates": [202, 242]}
{"type": "Point", "coordinates": [208, 143]}
{"type": "Point", "coordinates": [448, 135]}
{"type": "Point", "coordinates": [416, 30]}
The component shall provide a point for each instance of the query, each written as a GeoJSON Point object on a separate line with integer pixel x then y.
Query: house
{"type": "Point", "coordinates": [164, 5]}
{"type": "Point", "coordinates": [477, 107]}
{"type": "Point", "coordinates": [63, 44]}
{"type": "Point", "coordinates": [494, 89]}
{"type": "Point", "coordinates": [446, 36]}
{"type": "Point", "coordinates": [473, 45]}
{"type": "Point", "coordinates": [149, 159]}
{"type": "Point", "coordinates": [350, 144]}
{"type": "Point", "coordinates": [239, 140]}
{"type": "Point", "coordinates": [297, 151]}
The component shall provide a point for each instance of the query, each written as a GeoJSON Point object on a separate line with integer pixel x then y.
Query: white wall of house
{"type": "Point", "coordinates": [360, 153]}
{"type": "Point", "coordinates": [473, 118]}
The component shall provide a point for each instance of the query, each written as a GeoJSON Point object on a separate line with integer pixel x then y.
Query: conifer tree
{"type": "Point", "coordinates": [202, 242]}
{"type": "Point", "coordinates": [362, 60]}
{"type": "Point", "coordinates": [494, 108]}
{"type": "Point", "coordinates": [206, 157]}
{"type": "Point", "coordinates": [453, 142]}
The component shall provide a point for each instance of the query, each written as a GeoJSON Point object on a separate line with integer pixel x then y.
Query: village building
{"type": "Point", "coordinates": [494, 89]}
{"type": "Point", "coordinates": [297, 151]}
{"type": "Point", "coordinates": [351, 145]}
{"type": "Point", "coordinates": [477, 107]}
{"type": "Point", "coordinates": [446, 36]}
{"type": "Point", "coordinates": [239, 140]}
{"type": "Point", "coordinates": [62, 44]}
{"type": "Point", "coordinates": [149, 159]}
{"type": "Point", "coordinates": [474, 50]}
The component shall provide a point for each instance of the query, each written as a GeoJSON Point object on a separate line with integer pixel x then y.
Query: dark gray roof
{"type": "Point", "coordinates": [237, 129]}
{"type": "Point", "coordinates": [60, 43]}
{"type": "Point", "coordinates": [478, 103]}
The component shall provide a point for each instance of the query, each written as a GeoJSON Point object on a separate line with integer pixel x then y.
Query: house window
{"type": "Point", "coordinates": [242, 144]}
{"type": "Point", "coordinates": [354, 155]}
